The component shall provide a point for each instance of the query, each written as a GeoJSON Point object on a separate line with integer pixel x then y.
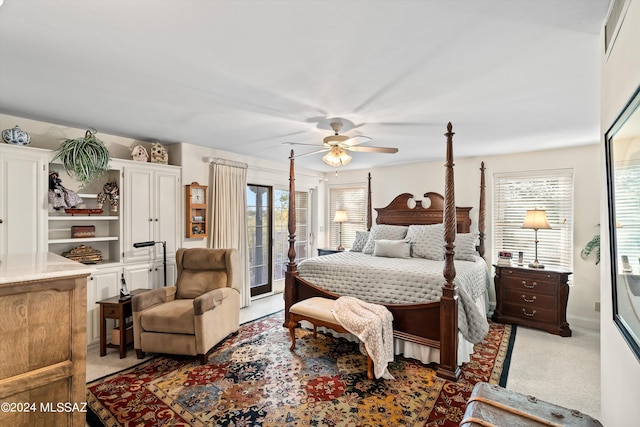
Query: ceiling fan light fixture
{"type": "Point", "coordinates": [336, 157]}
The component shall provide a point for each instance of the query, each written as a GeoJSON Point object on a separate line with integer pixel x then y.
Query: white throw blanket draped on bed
{"type": "Point", "coordinates": [373, 325]}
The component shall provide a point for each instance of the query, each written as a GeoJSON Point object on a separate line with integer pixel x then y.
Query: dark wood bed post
{"type": "Point", "coordinates": [369, 208]}
{"type": "Point", "coordinates": [449, 368]}
{"type": "Point", "coordinates": [481, 214]}
{"type": "Point", "coordinates": [292, 267]}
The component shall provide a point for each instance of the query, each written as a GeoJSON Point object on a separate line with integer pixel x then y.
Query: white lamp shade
{"type": "Point", "coordinates": [341, 216]}
{"type": "Point", "coordinates": [536, 219]}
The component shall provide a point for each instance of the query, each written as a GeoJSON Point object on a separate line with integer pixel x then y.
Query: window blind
{"type": "Point", "coordinates": [627, 183]}
{"type": "Point", "coordinates": [354, 201]}
{"type": "Point", "coordinates": [514, 194]}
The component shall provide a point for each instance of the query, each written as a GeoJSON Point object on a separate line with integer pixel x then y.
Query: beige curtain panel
{"type": "Point", "coordinates": [228, 212]}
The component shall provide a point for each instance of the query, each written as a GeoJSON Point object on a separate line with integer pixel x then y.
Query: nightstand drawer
{"type": "Point", "coordinates": [530, 313]}
{"type": "Point", "coordinates": [530, 284]}
{"type": "Point", "coordinates": [530, 299]}
{"type": "Point", "coordinates": [112, 312]}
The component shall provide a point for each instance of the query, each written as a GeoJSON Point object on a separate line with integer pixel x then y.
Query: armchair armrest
{"type": "Point", "coordinates": [145, 300]}
{"type": "Point", "coordinates": [210, 300]}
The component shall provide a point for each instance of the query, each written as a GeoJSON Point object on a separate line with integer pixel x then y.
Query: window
{"type": "Point", "coordinates": [281, 229]}
{"type": "Point", "coordinates": [354, 201]}
{"type": "Point", "coordinates": [514, 194]}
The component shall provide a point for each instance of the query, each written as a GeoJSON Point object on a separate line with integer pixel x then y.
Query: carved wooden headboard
{"type": "Point", "coordinates": [398, 212]}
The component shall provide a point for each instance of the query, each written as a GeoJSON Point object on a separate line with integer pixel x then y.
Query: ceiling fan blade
{"type": "Point", "coordinates": [372, 149]}
{"type": "Point", "coordinates": [313, 152]}
{"type": "Point", "coordinates": [355, 140]}
{"type": "Point", "coordinates": [302, 143]}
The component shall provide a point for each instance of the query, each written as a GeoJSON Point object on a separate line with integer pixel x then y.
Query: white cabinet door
{"type": "Point", "coordinates": [23, 192]}
{"type": "Point", "coordinates": [138, 276]}
{"type": "Point", "coordinates": [158, 273]}
{"type": "Point", "coordinates": [103, 284]}
{"type": "Point", "coordinates": [167, 212]}
{"type": "Point", "coordinates": [138, 211]}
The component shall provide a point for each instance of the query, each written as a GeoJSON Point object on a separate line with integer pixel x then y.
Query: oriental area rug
{"type": "Point", "coordinates": [252, 379]}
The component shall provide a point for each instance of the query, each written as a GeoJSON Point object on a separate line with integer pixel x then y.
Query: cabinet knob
{"type": "Point", "coordinates": [150, 219]}
{"type": "Point", "coordinates": [156, 219]}
{"type": "Point", "coordinates": [1, 221]}
{"type": "Point", "coordinates": [91, 278]}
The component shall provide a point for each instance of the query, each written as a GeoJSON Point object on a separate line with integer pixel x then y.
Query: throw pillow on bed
{"type": "Point", "coordinates": [386, 232]}
{"type": "Point", "coordinates": [392, 248]}
{"type": "Point", "coordinates": [361, 239]}
{"type": "Point", "coordinates": [427, 241]}
{"type": "Point", "coordinates": [465, 249]}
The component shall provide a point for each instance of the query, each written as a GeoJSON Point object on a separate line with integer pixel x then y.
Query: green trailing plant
{"type": "Point", "coordinates": [86, 158]}
{"type": "Point", "coordinates": [592, 245]}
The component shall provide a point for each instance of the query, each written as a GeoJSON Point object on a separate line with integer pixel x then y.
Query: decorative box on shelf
{"type": "Point", "coordinates": [80, 231]}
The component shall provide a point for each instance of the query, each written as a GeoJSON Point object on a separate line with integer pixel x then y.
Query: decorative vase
{"type": "Point", "coordinates": [16, 136]}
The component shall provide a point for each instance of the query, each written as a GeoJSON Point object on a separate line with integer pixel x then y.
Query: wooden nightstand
{"type": "Point", "coordinates": [532, 297]}
{"type": "Point", "coordinates": [326, 251]}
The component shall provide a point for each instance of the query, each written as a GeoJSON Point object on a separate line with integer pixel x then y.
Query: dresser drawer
{"type": "Point", "coordinates": [530, 299]}
{"type": "Point", "coordinates": [530, 313]}
{"type": "Point", "coordinates": [523, 283]}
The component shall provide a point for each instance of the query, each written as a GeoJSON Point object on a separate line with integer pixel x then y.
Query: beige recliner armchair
{"type": "Point", "coordinates": [195, 314]}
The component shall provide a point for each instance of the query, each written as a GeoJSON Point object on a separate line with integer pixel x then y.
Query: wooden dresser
{"type": "Point", "coordinates": [532, 297]}
{"type": "Point", "coordinates": [43, 346]}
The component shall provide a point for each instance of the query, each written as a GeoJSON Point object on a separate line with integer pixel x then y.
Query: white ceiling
{"type": "Point", "coordinates": [247, 76]}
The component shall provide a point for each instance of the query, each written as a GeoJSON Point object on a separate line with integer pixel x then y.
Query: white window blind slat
{"type": "Point", "coordinates": [627, 206]}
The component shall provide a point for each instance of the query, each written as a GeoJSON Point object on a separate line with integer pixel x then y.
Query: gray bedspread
{"type": "Point", "coordinates": [402, 281]}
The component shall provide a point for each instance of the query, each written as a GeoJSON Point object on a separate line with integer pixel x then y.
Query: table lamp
{"type": "Point", "coordinates": [536, 219]}
{"type": "Point", "coordinates": [340, 217]}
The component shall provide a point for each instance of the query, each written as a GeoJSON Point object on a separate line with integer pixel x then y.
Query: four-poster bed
{"type": "Point", "coordinates": [433, 324]}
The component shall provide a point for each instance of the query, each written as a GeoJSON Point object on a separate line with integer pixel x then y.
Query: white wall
{"type": "Point", "coordinates": [419, 178]}
{"type": "Point", "coordinates": [620, 370]}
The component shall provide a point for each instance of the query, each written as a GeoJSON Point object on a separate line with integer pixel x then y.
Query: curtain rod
{"type": "Point", "coordinates": [218, 161]}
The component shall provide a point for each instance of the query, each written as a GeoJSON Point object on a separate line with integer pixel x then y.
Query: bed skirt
{"type": "Point", "coordinates": [412, 350]}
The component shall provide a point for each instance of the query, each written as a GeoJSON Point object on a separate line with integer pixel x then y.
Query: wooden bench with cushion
{"type": "Point", "coordinates": [319, 312]}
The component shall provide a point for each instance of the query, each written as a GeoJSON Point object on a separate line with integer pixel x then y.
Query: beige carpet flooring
{"type": "Point", "coordinates": [564, 371]}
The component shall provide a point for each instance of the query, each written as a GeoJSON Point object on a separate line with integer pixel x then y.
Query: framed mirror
{"type": "Point", "coordinates": [622, 145]}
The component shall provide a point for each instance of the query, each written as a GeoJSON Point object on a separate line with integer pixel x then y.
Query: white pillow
{"type": "Point", "coordinates": [362, 237]}
{"type": "Point", "coordinates": [384, 231]}
{"type": "Point", "coordinates": [465, 249]}
{"type": "Point", "coordinates": [392, 248]}
{"type": "Point", "coordinates": [427, 241]}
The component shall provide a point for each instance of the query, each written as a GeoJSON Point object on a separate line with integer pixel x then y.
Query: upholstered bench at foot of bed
{"type": "Point", "coordinates": [319, 312]}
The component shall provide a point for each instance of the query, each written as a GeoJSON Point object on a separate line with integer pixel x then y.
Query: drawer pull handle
{"type": "Point", "coordinates": [528, 314]}
{"type": "Point", "coordinates": [528, 300]}
{"type": "Point", "coordinates": [533, 285]}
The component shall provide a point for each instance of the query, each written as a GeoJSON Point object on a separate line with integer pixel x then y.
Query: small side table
{"type": "Point", "coordinates": [326, 251]}
{"type": "Point", "coordinates": [113, 308]}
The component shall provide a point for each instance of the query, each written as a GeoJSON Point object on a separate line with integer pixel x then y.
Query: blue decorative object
{"type": "Point", "coordinates": [16, 136]}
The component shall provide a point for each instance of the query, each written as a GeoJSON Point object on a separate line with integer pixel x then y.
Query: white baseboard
{"type": "Point", "coordinates": [584, 322]}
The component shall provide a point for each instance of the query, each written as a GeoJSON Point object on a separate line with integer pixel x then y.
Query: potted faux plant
{"type": "Point", "coordinates": [592, 245]}
{"type": "Point", "coordinates": [86, 158]}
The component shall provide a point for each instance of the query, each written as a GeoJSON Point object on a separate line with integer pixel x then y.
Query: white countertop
{"type": "Point", "coordinates": [36, 266]}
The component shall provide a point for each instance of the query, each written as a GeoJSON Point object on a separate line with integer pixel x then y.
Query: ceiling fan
{"type": "Point", "coordinates": [336, 147]}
